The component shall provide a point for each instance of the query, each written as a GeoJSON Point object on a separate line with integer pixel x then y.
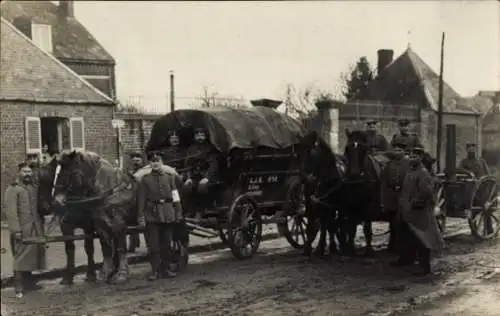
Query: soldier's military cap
{"type": "Point", "coordinates": [470, 145]}
{"type": "Point", "coordinates": [22, 165]}
{"type": "Point", "coordinates": [404, 122]}
{"type": "Point", "coordinates": [371, 122]}
{"type": "Point", "coordinates": [155, 154]}
{"type": "Point", "coordinates": [135, 154]}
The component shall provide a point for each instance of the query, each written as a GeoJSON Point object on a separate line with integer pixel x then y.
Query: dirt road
{"type": "Point", "coordinates": [277, 281]}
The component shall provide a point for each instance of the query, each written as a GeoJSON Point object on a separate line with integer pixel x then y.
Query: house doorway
{"type": "Point", "coordinates": [55, 133]}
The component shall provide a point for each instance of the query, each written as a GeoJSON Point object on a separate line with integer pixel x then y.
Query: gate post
{"type": "Point", "coordinates": [327, 123]}
{"type": "Point", "coordinates": [450, 169]}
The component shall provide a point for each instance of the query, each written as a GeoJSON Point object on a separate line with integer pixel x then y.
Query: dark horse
{"type": "Point", "coordinates": [360, 190]}
{"type": "Point", "coordinates": [90, 194]}
{"type": "Point", "coordinates": [322, 173]}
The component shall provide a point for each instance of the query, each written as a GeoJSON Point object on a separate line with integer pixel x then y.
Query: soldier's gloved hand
{"type": "Point", "coordinates": [188, 182]}
{"type": "Point", "coordinates": [204, 181]}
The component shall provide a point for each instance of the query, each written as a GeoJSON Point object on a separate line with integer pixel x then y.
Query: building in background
{"type": "Point", "coordinates": [43, 101]}
{"type": "Point", "coordinates": [55, 29]}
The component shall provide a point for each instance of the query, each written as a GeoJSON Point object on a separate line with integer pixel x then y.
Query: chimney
{"type": "Point", "coordinates": [268, 103]}
{"type": "Point", "coordinates": [66, 9]}
{"type": "Point", "coordinates": [385, 57]}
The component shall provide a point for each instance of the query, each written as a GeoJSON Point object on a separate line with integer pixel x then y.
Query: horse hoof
{"type": "Point", "coordinates": [66, 281]}
{"type": "Point", "coordinates": [91, 278]}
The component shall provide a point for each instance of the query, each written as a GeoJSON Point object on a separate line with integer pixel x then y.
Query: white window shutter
{"type": "Point", "coordinates": [33, 135]}
{"type": "Point", "coordinates": [77, 133]}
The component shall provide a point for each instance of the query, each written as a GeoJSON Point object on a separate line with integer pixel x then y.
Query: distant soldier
{"type": "Point", "coordinates": [409, 140]}
{"type": "Point", "coordinates": [419, 232]}
{"type": "Point", "coordinates": [203, 157]}
{"type": "Point", "coordinates": [21, 210]}
{"type": "Point", "coordinates": [173, 153]}
{"type": "Point", "coordinates": [159, 209]}
{"type": "Point", "coordinates": [391, 184]}
{"type": "Point", "coordinates": [473, 163]}
{"type": "Point", "coordinates": [376, 141]}
{"type": "Point", "coordinates": [134, 240]}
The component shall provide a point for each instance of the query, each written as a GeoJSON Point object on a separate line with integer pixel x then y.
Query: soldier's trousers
{"type": "Point", "coordinates": [158, 239]}
{"type": "Point", "coordinates": [133, 241]}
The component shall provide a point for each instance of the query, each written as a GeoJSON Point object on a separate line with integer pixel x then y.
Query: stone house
{"type": "Point", "coordinates": [409, 88]}
{"type": "Point", "coordinates": [43, 101]}
{"type": "Point", "coordinates": [55, 29]}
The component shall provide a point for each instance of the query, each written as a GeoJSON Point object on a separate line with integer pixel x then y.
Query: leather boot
{"type": "Point", "coordinates": [155, 261]}
{"type": "Point", "coordinates": [18, 284]}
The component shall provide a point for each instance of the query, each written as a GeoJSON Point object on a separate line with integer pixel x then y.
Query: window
{"type": "Point", "coordinates": [33, 136]}
{"type": "Point", "coordinates": [41, 34]}
{"type": "Point", "coordinates": [77, 133]}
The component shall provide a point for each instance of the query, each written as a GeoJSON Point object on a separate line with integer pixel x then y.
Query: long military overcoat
{"type": "Point", "coordinates": [21, 210]}
{"type": "Point", "coordinates": [391, 181]}
{"type": "Point", "coordinates": [417, 207]}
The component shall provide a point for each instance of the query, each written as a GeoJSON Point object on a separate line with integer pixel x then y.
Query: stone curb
{"type": "Point", "coordinates": [134, 259]}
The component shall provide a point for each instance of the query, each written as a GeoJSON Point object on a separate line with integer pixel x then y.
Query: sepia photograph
{"type": "Point", "coordinates": [281, 158]}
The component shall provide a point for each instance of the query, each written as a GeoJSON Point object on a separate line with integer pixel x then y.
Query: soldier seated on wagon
{"type": "Point", "coordinates": [474, 164]}
{"type": "Point", "coordinates": [375, 140]}
{"type": "Point", "coordinates": [404, 137]}
{"type": "Point", "coordinates": [173, 153]}
{"type": "Point", "coordinates": [203, 159]}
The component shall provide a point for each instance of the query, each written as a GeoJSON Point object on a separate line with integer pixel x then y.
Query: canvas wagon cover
{"type": "Point", "coordinates": [232, 128]}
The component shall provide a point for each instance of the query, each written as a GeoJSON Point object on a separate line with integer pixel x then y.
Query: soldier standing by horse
{"type": "Point", "coordinates": [419, 232]}
{"type": "Point", "coordinates": [137, 163]}
{"type": "Point", "coordinates": [21, 209]}
{"type": "Point", "coordinates": [159, 210]}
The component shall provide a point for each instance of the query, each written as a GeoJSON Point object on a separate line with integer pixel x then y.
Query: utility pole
{"type": "Point", "coordinates": [172, 92]}
{"type": "Point", "coordinates": [440, 108]}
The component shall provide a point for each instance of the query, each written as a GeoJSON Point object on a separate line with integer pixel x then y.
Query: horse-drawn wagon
{"type": "Point", "coordinates": [257, 177]}
{"type": "Point", "coordinates": [471, 198]}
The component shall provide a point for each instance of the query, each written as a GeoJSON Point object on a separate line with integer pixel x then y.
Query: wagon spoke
{"type": "Point", "coordinates": [302, 232]}
{"type": "Point", "coordinates": [493, 194]}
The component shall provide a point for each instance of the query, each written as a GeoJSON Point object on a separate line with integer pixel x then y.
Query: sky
{"type": "Point", "coordinates": [254, 49]}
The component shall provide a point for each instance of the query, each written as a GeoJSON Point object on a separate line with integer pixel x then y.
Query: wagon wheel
{"type": "Point", "coordinates": [244, 229]}
{"type": "Point", "coordinates": [179, 247]}
{"type": "Point", "coordinates": [482, 217]}
{"type": "Point", "coordinates": [440, 210]}
{"type": "Point", "coordinates": [295, 228]}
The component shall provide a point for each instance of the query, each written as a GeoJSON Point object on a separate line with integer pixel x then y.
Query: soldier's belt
{"type": "Point", "coordinates": [162, 201]}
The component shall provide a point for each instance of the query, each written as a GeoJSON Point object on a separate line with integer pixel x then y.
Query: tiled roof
{"type": "Point", "coordinates": [27, 73]}
{"type": "Point", "coordinates": [425, 81]}
{"type": "Point", "coordinates": [70, 38]}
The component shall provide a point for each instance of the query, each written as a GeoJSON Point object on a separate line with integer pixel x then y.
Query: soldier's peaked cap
{"type": "Point", "coordinates": [155, 153]}
{"type": "Point", "coordinates": [135, 154]}
{"type": "Point", "coordinates": [404, 122]}
{"type": "Point", "coordinates": [371, 122]}
{"type": "Point", "coordinates": [471, 145]}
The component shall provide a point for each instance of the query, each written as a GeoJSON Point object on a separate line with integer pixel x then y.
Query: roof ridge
{"type": "Point", "coordinates": [53, 58]}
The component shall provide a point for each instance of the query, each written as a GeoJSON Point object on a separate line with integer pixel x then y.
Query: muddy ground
{"type": "Point", "coordinates": [278, 281]}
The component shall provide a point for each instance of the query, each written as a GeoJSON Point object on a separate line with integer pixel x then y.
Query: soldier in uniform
{"type": "Point", "coordinates": [376, 141]}
{"type": "Point", "coordinates": [473, 163]}
{"type": "Point", "coordinates": [203, 158]}
{"type": "Point", "coordinates": [409, 140]}
{"type": "Point", "coordinates": [419, 232]}
{"type": "Point", "coordinates": [391, 179]}
{"type": "Point", "coordinates": [21, 210]}
{"type": "Point", "coordinates": [134, 240]}
{"type": "Point", "coordinates": [159, 209]}
{"type": "Point", "coordinates": [173, 153]}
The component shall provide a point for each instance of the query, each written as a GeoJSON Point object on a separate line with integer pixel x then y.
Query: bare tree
{"type": "Point", "coordinates": [213, 99]}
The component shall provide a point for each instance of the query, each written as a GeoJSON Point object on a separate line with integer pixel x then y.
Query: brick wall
{"type": "Point", "coordinates": [100, 137]}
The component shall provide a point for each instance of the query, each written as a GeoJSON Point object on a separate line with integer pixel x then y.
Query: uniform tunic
{"type": "Point", "coordinates": [20, 204]}
{"type": "Point", "coordinates": [392, 178]}
{"type": "Point", "coordinates": [408, 141]}
{"type": "Point", "coordinates": [417, 207]}
{"type": "Point", "coordinates": [475, 165]}
{"type": "Point", "coordinates": [155, 198]}
{"type": "Point", "coordinates": [204, 161]}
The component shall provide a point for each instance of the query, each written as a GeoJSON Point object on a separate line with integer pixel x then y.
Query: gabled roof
{"type": "Point", "coordinates": [27, 73]}
{"type": "Point", "coordinates": [70, 38]}
{"type": "Point", "coordinates": [410, 70]}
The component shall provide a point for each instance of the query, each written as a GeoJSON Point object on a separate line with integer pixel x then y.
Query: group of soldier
{"type": "Point", "coordinates": [407, 195]}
